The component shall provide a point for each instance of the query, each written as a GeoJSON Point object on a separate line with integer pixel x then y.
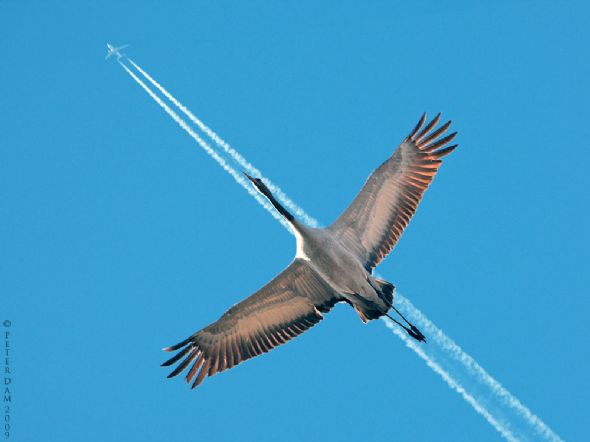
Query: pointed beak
{"type": "Point", "coordinates": [249, 177]}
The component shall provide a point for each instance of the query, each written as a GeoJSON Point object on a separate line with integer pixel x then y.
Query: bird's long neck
{"type": "Point", "coordinates": [299, 229]}
{"type": "Point", "coordinates": [284, 212]}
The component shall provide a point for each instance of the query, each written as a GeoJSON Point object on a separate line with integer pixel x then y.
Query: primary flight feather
{"type": "Point", "coordinates": [332, 264]}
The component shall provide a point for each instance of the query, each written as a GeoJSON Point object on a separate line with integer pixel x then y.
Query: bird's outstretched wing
{"type": "Point", "coordinates": [286, 307]}
{"type": "Point", "coordinates": [371, 226]}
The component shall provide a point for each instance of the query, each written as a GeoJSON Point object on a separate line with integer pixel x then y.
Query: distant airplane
{"type": "Point", "coordinates": [112, 50]}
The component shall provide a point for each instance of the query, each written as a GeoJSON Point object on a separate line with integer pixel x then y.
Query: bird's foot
{"type": "Point", "coordinates": [415, 333]}
{"type": "Point", "coordinates": [412, 330]}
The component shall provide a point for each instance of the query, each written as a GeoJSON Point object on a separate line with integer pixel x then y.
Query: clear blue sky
{"type": "Point", "coordinates": [120, 236]}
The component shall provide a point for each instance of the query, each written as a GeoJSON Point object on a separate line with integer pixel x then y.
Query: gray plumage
{"type": "Point", "coordinates": [331, 265]}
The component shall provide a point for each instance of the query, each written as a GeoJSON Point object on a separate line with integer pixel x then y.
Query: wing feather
{"type": "Point", "coordinates": [286, 307]}
{"type": "Point", "coordinates": [372, 225]}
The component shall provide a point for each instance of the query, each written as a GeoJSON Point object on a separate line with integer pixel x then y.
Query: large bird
{"type": "Point", "coordinates": [331, 265]}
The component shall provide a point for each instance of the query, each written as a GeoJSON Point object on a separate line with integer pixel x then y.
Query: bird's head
{"type": "Point", "coordinates": [260, 186]}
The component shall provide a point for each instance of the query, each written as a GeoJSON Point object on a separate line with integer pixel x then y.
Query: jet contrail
{"type": "Point", "coordinates": [310, 221]}
{"type": "Point", "coordinates": [501, 427]}
{"type": "Point", "coordinates": [236, 176]}
{"type": "Point", "coordinates": [486, 395]}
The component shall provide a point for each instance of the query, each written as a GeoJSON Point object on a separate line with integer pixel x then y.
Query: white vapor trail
{"type": "Point", "coordinates": [276, 190]}
{"type": "Point", "coordinates": [236, 176]}
{"type": "Point", "coordinates": [504, 412]}
{"type": "Point", "coordinates": [501, 427]}
{"type": "Point", "coordinates": [528, 426]}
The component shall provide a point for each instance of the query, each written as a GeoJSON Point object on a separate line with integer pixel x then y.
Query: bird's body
{"type": "Point", "coordinates": [341, 269]}
{"type": "Point", "coordinates": [331, 265]}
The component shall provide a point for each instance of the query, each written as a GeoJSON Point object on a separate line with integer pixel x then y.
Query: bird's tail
{"type": "Point", "coordinates": [385, 290]}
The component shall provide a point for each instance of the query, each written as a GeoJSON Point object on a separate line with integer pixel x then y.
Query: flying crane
{"type": "Point", "coordinates": [331, 265]}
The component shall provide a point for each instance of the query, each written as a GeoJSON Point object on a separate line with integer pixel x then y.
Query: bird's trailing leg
{"type": "Point", "coordinates": [412, 330]}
